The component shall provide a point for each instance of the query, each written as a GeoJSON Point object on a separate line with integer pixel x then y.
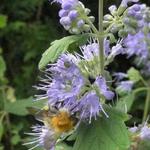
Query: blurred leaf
{"type": "Point", "coordinates": [134, 75]}
{"type": "Point", "coordinates": [3, 21]}
{"type": "Point", "coordinates": [125, 103]}
{"type": "Point", "coordinates": [1, 147]}
{"type": "Point", "coordinates": [2, 68]}
{"type": "Point", "coordinates": [104, 133]}
{"type": "Point", "coordinates": [10, 94]}
{"type": "Point", "coordinates": [19, 107]}
{"type": "Point", "coordinates": [1, 50]}
{"type": "Point", "coordinates": [60, 46]}
{"type": "Point", "coordinates": [16, 25]}
{"type": "Point", "coordinates": [15, 139]}
{"type": "Point", "coordinates": [1, 130]}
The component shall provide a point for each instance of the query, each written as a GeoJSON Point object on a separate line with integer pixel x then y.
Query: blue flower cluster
{"type": "Point", "coordinates": [136, 18]}
{"type": "Point", "coordinates": [138, 45]}
{"type": "Point", "coordinates": [73, 16]}
{"type": "Point", "coordinates": [127, 20]}
{"type": "Point", "coordinates": [70, 88]}
{"type": "Point", "coordinates": [75, 84]}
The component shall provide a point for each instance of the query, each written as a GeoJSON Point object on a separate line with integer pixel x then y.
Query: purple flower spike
{"type": "Point", "coordinates": [71, 14]}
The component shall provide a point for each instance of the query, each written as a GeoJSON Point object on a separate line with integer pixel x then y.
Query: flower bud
{"type": "Point", "coordinates": [113, 9]}
{"type": "Point", "coordinates": [92, 18]}
{"type": "Point", "coordinates": [80, 23]}
{"type": "Point", "coordinates": [87, 11]}
{"type": "Point", "coordinates": [108, 17]}
{"type": "Point", "coordinates": [73, 14]}
{"type": "Point", "coordinates": [86, 28]}
{"type": "Point", "coordinates": [63, 13]}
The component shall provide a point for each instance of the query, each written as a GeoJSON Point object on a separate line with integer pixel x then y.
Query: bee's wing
{"type": "Point", "coordinates": [38, 113]}
{"type": "Point", "coordinates": [32, 110]}
{"type": "Point", "coordinates": [41, 114]}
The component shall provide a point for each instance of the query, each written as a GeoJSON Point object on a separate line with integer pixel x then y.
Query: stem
{"type": "Point", "coordinates": [92, 26]}
{"type": "Point", "coordinates": [100, 13]}
{"type": "Point", "coordinates": [101, 38]}
{"type": "Point", "coordinates": [144, 82]}
{"type": "Point", "coordinates": [100, 35]}
{"type": "Point", "coordinates": [2, 116]}
{"type": "Point", "coordinates": [147, 102]}
{"type": "Point", "coordinates": [140, 90]}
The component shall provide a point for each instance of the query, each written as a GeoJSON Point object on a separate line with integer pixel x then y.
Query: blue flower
{"type": "Point", "coordinates": [125, 86]}
{"type": "Point", "coordinates": [67, 80]}
{"type": "Point", "coordinates": [91, 50]}
{"type": "Point", "coordinates": [120, 75]}
{"type": "Point", "coordinates": [133, 129]}
{"type": "Point", "coordinates": [103, 88]}
{"type": "Point", "coordinates": [145, 133]}
{"type": "Point", "coordinates": [43, 137]}
{"type": "Point", "coordinates": [90, 106]}
{"type": "Point", "coordinates": [116, 50]}
{"type": "Point", "coordinates": [124, 3]}
{"type": "Point", "coordinates": [137, 45]}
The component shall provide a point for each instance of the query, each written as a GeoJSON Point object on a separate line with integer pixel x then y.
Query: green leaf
{"type": "Point", "coordinates": [1, 130]}
{"type": "Point", "coordinates": [1, 147]}
{"type": "Point", "coordinates": [104, 133]}
{"type": "Point", "coordinates": [19, 107]}
{"type": "Point", "coordinates": [2, 68]}
{"type": "Point", "coordinates": [60, 46]}
{"type": "Point", "coordinates": [125, 103]}
{"type": "Point", "coordinates": [62, 146]}
{"type": "Point", "coordinates": [134, 75]}
{"type": "Point", "coordinates": [3, 21]}
{"type": "Point", "coordinates": [1, 50]}
{"type": "Point", "coordinates": [15, 139]}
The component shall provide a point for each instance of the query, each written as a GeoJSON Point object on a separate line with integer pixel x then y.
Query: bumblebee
{"type": "Point", "coordinates": [60, 120]}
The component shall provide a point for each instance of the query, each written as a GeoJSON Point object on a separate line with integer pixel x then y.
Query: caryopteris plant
{"type": "Point", "coordinates": [87, 104]}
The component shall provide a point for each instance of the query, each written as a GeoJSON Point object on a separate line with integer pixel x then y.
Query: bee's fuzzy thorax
{"type": "Point", "coordinates": [62, 122]}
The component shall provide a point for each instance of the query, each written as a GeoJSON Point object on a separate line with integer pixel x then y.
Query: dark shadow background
{"type": "Point", "coordinates": [31, 26]}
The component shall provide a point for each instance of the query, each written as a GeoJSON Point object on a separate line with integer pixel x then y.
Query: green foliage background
{"type": "Point", "coordinates": [27, 27]}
